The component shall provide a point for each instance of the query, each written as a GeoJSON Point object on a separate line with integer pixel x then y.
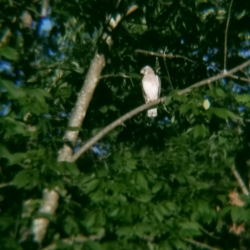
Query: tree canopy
{"type": "Point", "coordinates": [83, 167]}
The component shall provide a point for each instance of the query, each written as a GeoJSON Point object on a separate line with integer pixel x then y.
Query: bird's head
{"type": "Point", "coordinates": [146, 70]}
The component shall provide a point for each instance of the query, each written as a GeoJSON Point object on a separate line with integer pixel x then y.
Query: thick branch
{"type": "Point", "coordinates": [240, 181]}
{"type": "Point", "coordinates": [49, 205]}
{"type": "Point", "coordinates": [82, 104]}
{"type": "Point", "coordinates": [50, 200]}
{"type": "Point", "coordinates": [137, 110]}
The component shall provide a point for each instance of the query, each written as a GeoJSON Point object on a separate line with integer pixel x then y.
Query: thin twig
{"type": "Point", "coordinates": [77, 239]}
{"type": "Point", "coordinates": [4, 185]}
{"type": "Point", "coordinates": [235, 77]}
{"type": "Point", "coordinates": [239, 78]}
{"type": "Point", "coordinates": [209, 234]}
{"type": "Point", "coordinates": [226, 31]}
{"type": "Point", "coordinates": [199, 244]}
{"type": "Point", "coordinates": [162, 55]}
{"type": "Point", "coordinates": [165, 63]}
{"type": "Point", "coordinates": [240, 181]}
{"type": "Point", "coordinates": [215, 78]}
{"type": "Point", "coordinates": [107, 76]}
{"type": "Point", "coordinates": [244, 73]}
{"type": "Point", "coordinates": [143, 107]}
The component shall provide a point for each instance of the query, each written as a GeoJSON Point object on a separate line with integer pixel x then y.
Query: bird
{"type": "Point", "coordinates": [151, 88]}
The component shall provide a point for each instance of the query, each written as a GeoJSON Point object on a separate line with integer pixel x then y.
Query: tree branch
{"type": "Point", "coordinates": [143, 107]}
{"type": "Point", "coordinates": [239, 78]}
{"type": "Point", "coordinates": [240, 181]}
{"type": "Point", "coordinates": [107, 76]}
{"type": "Point", "coordinates": [169, 79]}
{"type": "Point", "coordinates": [51, 197]}
{"type": "Point", "coordinates": [215, 78]}
{"type": "Point", "coordinates": [199, 244]}
{"type": "Point", "coordinates": [163, 55]}
{"type": "Point", "coordinates": [82, 104]}
{"type": "Point", "coordinates": [77, 239]}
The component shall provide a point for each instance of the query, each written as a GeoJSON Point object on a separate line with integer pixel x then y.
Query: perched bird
{"type": "Point", "coordinates": [151, 87]}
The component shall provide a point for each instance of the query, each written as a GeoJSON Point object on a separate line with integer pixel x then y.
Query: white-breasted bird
{"type": "Point", "coordinates": [151, 87]}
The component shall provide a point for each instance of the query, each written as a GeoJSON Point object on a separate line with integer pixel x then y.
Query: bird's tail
{"type": "Point", "coordinates": [152, 112]}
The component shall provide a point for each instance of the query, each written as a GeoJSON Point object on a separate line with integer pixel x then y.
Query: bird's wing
{"type": "Point", "coordinates": [146, 98]}
{"type": "Point", "coordinates": [159, 85]}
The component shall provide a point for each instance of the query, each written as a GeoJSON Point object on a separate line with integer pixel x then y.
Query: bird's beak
{"type": "Point", "coordinates": [142, 71]}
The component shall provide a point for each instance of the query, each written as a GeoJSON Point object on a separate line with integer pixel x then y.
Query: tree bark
{"type": "Point", "coordinates": [51, 197]}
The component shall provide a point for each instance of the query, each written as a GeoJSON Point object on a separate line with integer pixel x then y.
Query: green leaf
{"type": "Point", "coordinates": [70, 226]}
{"type": "Point", "coordinates": [164, 245]}
{"type": "Point", "coordinates": [100, 218]}
{"type": "Point", "coordinates": [97, 196]}
{"type": "Point", "coordinates": [167, 100]}
{"type": "Point", "coordinates": [231, 115]}
{"type": "Point", "coordinates": [131, 164]}
{"type": "Point", "coordinates": [14, 92]}
{"type": "Point", "coordinates": [112, 107]}
{"type": "Point", "coordinates": [142, 228]}
{"type": "Point", "coordinates": [219, 92]}
{"type": "Point", "coordinates": [144, 197]}
{"type": "Point", "coordinates": [171, 207]}
{"type": "Point", "coordinates": [114, 212]}
{"type": "Point", "coordinates": [223, 113]}
{"type": "Point", "coordinates": [189, 229]}
{"type": "Point", "coordinates": [124, 231]}
{"type": "Point", "coordinates": [202, 185]}
{"type": "Point", "coordinates": [9, 53]}
{"type": "Point", "coordinates": [178, 244]}
{"type": "Point", "coordinates": [91, 185]}
{"type": "Point", "coordinates": [141, 180]}
{"type": "Point", "coordinates": [184, 108]}
{"type": "Point", "coordinates": [42, 92]}
{"type": "Point", "coordinates": [71, 167]}
{"type": "Point", "coordinates": [240, 214]}
{"type": "Point", "coordinates": [4, 152]}
{"type": "Point", "coordinates": [157, 187]}
{"type": "Point", "coordinates": [104, 109]}
{"type": "Point", "coordinates": [158, 213]}
{"type": "Point", "coordinates": [93, 246]}
{"type": "Point", "coordinates": [26, 178]}
{"type": "Point", "coordinates": [64, 92]}
{"type": "Point", "coordinates": [90, 219]}
{"type": "Point", "coordinates": [244, 98]}
{"type": "Point", "coordinates": [199, 131]}
{"type": "Point", "coordinates": [13, 127]}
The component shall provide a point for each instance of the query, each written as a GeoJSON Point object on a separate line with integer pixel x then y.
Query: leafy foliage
{"type": "Point", "coordinates": [150, 184]}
